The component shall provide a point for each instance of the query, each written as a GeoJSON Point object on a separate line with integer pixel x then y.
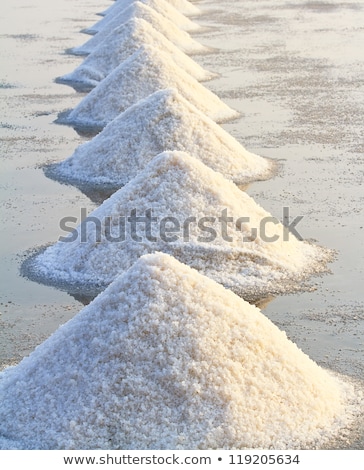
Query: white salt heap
{"type": "Point", "coordinates": [121, 44]}
{"type": "Point", "coordinates": [106, 25]}
{"type": "Point", "coordinates": [166, 358]}
{"type": "Point", "coordinates": [177, 185]}
{"type": "Point", "coordinates": [161, 6]}
{"type": "Point", "coordinates": [184, 6]}
{"type": "Point", "coordinates": [148, 70]}
{"type": "Point", "coordinates": [162, 121]}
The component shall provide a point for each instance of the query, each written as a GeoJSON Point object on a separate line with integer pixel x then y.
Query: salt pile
{"type": "Point", "coordinates": [121, 44]}
{"type": "Point", "coordinates": [166, 358]}
{"type": "Point", "coordinates": [184, 6]}
{"type": "Point", "coordinates": [104, 27]}
{"type": "Point", "coordinates": [161, 6]}
{"type": "Point", "coordinates": [148, 70]}
{"type": "Point", "coordinates": [162, 121]}
{"type": "Point", "coordinates": [238, 254]}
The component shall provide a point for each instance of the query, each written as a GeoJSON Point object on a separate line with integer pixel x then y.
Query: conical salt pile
{"type": "Point", "coordinates": [161, 6]}
{"type": "Point", "coordinates": [106, 25]}
{"type": "Point", "coordinates": [121, 44]}
{"type": "Point", "coordinates": [166, 358]}
{"type": "Point", "coordinates": [253, 260]}
{"type": "Point", "coordinates": [185, 7]}
{"type": "Point", "coordinates": [148, 70]}
{"type": "Point", "coordinates": [162, 121]}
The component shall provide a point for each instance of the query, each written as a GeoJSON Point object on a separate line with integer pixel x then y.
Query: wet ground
{"type": "Point", "coordinates": [294, 69]}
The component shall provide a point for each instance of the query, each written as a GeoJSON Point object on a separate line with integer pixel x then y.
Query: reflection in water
{"type": "Point", "coordinates": [97, 194]}
{"type": "Point", "coordinates": [80, 87]}
{"type": "Point", "coordinates": [72, 51]}
{"type": "Point", "coordinates": [84, 299]}
{"type": "Point", "coordinates": [263, 303]}
{"type": "Point", "coordinates": [83, 131]}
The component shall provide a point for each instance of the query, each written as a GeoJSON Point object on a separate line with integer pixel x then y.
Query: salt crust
{"type": "Point", "coordinates": [177, 185]}
{"type": "Point", "coordinates": [162, 121]}
{"type": "Point", "coordinates": [148, 70]}
{"type": "Point", "coordinates": [161, 6]}
{"type": "Point", "coordinates": [184, 6]}
{"type": "Point", "coordinates": [166, 358]}
{"type": "Point", "coordinates": [139, 10]}
{"type": "Point", "coordinates": [120, 44]}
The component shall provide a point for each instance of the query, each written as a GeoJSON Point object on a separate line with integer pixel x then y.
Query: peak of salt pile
{"type": "Point", "coordinates": [121, 44]}
{"type": "Point", "coordinates": [163, 7]}
{"type": "Point", "coordinates": [166, 358]}
{"type": "Point", "coordinates": [148, 70]}
{"type": "Point", "coordinates": [235, 253]}
{"type": "Point", "coordinates": [162, 121]}
{"type": "Point", "coordinates": [104, 27]}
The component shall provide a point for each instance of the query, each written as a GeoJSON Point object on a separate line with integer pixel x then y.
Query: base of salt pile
{"type": "Point", "coordinates": [193, 213]}
{"type": "Point", "coordinates": [166, 358]}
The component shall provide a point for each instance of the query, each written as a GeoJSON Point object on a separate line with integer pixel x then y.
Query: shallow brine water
{"type": "Point", "coordinates": [293, 70]}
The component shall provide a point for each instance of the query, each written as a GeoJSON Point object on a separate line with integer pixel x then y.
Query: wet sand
{"type": "Point", "coordinates": [294, 71]}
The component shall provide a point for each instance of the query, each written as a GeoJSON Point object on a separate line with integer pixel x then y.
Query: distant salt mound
{"type": "Point", "coordinates": [148, 70]}
{"type": "Point", "coordinates": [162, 121]}
{"type": "Point", "coordinates": [161, 6]}
{"type": "Point", "coordinates": [183, 6]}
{"type": "Point", "coordinates": [106, 25]}
{"type": "Point", "coordinates": [121, 44]}
{"type": "Point", "coordinates": [166, 358]}
{"type": "Point", "coordinates": [254, 263]}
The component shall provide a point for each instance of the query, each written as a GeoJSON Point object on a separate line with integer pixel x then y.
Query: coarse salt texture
{"type": "Point", "coordinates": [166, 358]}
{"type": "Point", "coordinates": [161, 6]}
{"type": "Point", "coordinates": [189, 203]}
{"type": "Point", "coordinates": [148, 70]}
{"type": "Point", "coordinates": [162, 121]}
{"type": "Point", "coordinates": [121, 44]}
{"type": "Point", "coordinates": [106, 25]}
